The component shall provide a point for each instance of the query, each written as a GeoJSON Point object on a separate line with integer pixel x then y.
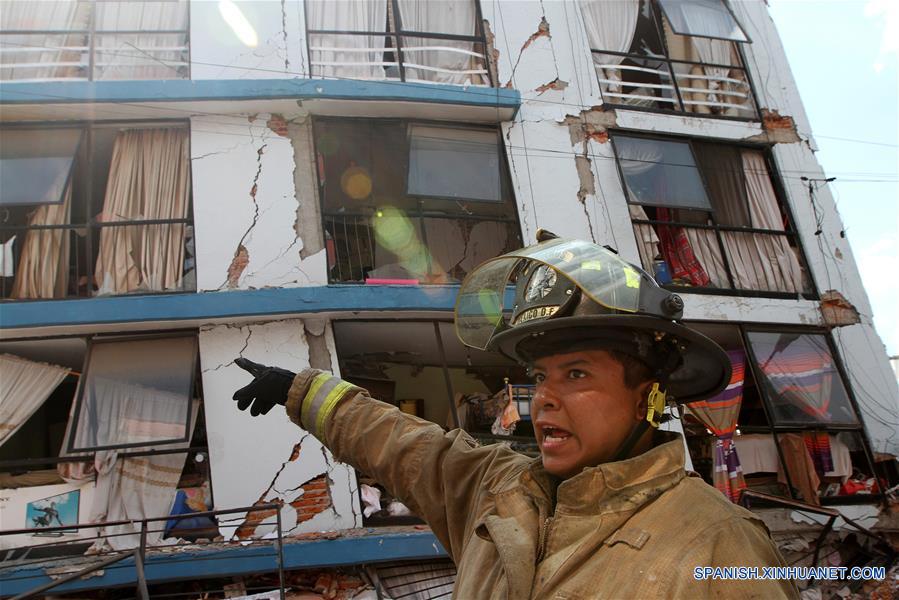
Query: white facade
{"type": "Point", "coordinates": [258, 220]}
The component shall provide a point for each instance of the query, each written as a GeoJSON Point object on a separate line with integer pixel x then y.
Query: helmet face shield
{"type": "Point", "coordinates": [546, 274]}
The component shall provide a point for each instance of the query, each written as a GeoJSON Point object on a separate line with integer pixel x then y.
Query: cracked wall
{"type": "Point", "coordinates": [268, 459]}
{"type": "Point", "coordinates": [255, 207]}
{"type": "Point", "coordinates": [216, 52]}
{"type": "Point", "coordinates": [566, 180]}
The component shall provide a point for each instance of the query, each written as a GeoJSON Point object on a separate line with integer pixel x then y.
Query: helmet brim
{"type": "Point", "coordinates": [704, 372]}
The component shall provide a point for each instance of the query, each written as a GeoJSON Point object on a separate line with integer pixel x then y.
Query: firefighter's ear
{"type": "Point", "coordinates": [643, 391]}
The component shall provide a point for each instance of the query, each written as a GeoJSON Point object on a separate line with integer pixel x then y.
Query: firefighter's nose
{"type": "Point", "coordinates": [545, 398]}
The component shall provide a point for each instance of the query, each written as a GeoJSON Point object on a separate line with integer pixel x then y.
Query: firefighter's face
{"type": "Point", "coordinates": [582, 410]}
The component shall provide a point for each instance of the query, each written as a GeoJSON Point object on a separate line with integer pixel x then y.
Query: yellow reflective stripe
{"type": "Point", "coordinates": [317, 383]}
{"type": "Point", "coordinates": [328, 405]}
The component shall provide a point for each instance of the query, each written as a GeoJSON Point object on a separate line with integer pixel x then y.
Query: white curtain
{"type": "Point", "coordinates": [448, 61]}
{"type": "Point", "coordinates": [611, 25]}
{"type": "Point", "coordinates": [647, 240]}
{"type": "Point", "coordinates": [65, 55]}
{"type": "Point", "coordinates": [43, 270]}
{"type": "Point", "coordinates": [149, 178]}
{"type": "Point", "coordinates": [145, 55]}
{"type": "Point", "coordinates": [347, 56]}
{"type": "Point", "coordinates": [24, 386]}
{"type": "Point", "coordinates": [117, 412]}
{"type": "Point", "coordinates": [130, 489]}
{"type": "Point", "coordinates": [760, 261]}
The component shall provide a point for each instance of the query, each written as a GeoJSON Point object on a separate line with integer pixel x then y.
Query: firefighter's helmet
{"type": "Point", "coordinates": [571, 295]}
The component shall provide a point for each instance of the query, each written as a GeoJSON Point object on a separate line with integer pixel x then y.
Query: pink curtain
{"type": "Point", "coordinates": [149, 178]}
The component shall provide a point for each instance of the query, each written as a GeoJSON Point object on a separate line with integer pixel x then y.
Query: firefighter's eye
{"type": "Point", "coordinates": [576, 374]}
{"type": "Point", "coordinates": [538, 377]}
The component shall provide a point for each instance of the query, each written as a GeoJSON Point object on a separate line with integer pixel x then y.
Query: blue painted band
{"type": "Point", "coordinates": [218, 305]}
{"type": "Point", "coordinates": [242, 561]}
{"type": "Point", "coordinates": [186, 90]}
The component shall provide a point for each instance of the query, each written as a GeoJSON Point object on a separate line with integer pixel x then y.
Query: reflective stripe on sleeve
{"type": "Point", "coordinates": [321, 399]}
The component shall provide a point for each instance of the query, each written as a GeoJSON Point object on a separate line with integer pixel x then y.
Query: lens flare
{"type": "Point", "coordinates": [238, 23]}
{"type": "Point", "coordinates": [356, 183]}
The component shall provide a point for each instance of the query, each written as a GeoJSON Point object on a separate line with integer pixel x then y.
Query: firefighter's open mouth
{"type": "Point", "coordinates": [554, 435]}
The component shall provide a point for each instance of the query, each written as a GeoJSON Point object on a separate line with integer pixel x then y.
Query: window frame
{"type": "Point", "coordinates": [790, 231]}
{"type": "Point", "coordinates": [92, 33]}
{"type": "Point", "coordinates": [678, 107]}
{"type": "Point", "coordinates": [507, 193]}
{"type": "Point", "coordinates": [64, 455]}
{"type": "Point", "coordinates": [770, 428]}
{"type": "Point", "coordinates": [69, 442]}
{"type": "Point", "coordinates": [81, 178]}
{"type": "Point", "coordinates": [395, 36]}
{"type": "Point", "coordinates": [727, 7]}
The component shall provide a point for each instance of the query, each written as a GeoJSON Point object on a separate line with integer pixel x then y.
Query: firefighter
{"type": "Point", "coordinates": [607, 510]}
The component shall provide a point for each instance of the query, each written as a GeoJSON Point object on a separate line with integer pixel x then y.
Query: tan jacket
{"type": "Point", "coordinates": [630, 529]}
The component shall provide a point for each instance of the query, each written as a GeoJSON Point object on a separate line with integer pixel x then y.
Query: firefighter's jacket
{"type": "Point", "coordinates": [635, 528]}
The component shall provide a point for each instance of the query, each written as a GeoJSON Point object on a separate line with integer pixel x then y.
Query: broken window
{"type": "Point", "coordinates": [708, 216]}
{"type": "Point", "coordinates": [109, 214]}
{"type": "Point", "coordinates": [436, 41]}
{"type": "Point", "coordinates": [675, 55]}
{"type": "Point", "coordinates": [423, 369]}
{"type": "Point", "coordinates": [122, 407]}
{"type": "Point", "coordinates": [785, 425]}
{"type": "Point", "coordinates": [412, 203]}
{"type": "Point", "coordinates": [92, 40]}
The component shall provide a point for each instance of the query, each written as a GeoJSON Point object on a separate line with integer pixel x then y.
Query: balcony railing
{"type": "Point", "coordinates": [47, 262]}
{"type": "Point", "coordinates": [660, 83]}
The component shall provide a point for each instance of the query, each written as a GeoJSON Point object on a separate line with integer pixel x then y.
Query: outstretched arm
{"type": "Point", "coordinates": [441, 476]}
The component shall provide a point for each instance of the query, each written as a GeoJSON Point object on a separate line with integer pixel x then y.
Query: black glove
{"type": "Point", "coordinates": [269, 387]}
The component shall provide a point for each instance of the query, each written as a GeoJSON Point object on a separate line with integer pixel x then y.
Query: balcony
{"type": "Point", "coordinates": [398, 40]}
{"type": "Point", "coordinates": [94, 211]}
{"type": "Point", "coordinates": [94, 40]}
{"type": "Point", "coordinates": [675, 56]}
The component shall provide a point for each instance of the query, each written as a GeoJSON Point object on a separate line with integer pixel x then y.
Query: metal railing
{"type": "Point", "coordinates": [88, 53]}
{"type": "Point", "coordinates": [82, 244]}
{"type": "Point", "coordinates": [660, 83]}
{"type": "Point", "coordinates": [52, 552]}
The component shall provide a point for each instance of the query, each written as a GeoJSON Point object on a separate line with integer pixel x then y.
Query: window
{"type": "Point", "coordinates": [677, 55]}
{"type": "Point", "coordinates": [787, 417]}
{"type": "Point", "coordinates": [93, 40]}
{"type": "Point", "coordinates": [410, 202]}
{"type": "Point", "coordinates": [423, 369]}
{"type": "Point", "coordinates": [708, 216]}
{"type": "Point", "coordinates": [436, 41]}
{"type": "Point", "coordinates": [119, 406]}
{"type": "Point", "coordinates": [108, 214]}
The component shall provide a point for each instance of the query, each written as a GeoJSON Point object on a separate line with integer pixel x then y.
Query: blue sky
{"type": "Point", "coordinates": [843, 54]}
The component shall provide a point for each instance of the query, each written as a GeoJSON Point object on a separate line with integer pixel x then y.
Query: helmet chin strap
{"type": "Point", "coordinates": [655, 407]}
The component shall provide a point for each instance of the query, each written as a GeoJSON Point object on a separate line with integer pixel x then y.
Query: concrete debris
{"type": "Point", "coordinates": [278, 124]}
{"type": "Point", "coordinates": [837, 311]}
{"type": "Point", "coordinates": [556, 84]}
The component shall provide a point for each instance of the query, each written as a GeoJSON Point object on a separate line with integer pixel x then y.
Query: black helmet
{"type": "Point", "coordinates": [571, 295]}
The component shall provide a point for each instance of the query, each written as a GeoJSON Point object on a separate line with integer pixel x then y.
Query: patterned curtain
{"type": "Point", "coordinates": [719, 415]}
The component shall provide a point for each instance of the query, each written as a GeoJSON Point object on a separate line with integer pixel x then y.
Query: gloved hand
{"type": "Point", "coordinates": [269, 387]}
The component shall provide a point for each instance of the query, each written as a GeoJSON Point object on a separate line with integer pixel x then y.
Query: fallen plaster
{"type": "Point", "coordinates": [837, 311]}
{"type": "Point", "coordinates": [587, 186]}
{"type": "Point", "coordinates": [319, 355]}
{"type": "Point", "coordinates": [492, 52]}
{"type": "Point", "coordinates": [592, 124]}
{"type": "Point", "coordinates": [778, 129]}
{"type": "Point", "coordinates": [865, 515]}
{"type": "Point", "coordinates": [556, 84]}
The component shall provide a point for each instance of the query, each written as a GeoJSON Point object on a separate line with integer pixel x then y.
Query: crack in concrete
{"type": "Point", "coordinates": [246, 343]}
{"type": "Point", "coordinates": [542, 31]}
{"type": "Point", "coordinates": [284, 33]}
{"type": "Point", "coordinates": [241, 254]}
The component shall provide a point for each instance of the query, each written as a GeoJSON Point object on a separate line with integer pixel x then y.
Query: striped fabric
{"type": "Point", "coordinates": [719, 415]}
{"type": "Point", "coordinates": [324, 393]}
{"type": "Point", "coordinates": [803, 375]}
{"type": "Point", "coordinates": [818, 444]}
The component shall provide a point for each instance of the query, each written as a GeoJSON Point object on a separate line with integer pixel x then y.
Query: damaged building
{"type": "Point", "coordinates": [306, 183]}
